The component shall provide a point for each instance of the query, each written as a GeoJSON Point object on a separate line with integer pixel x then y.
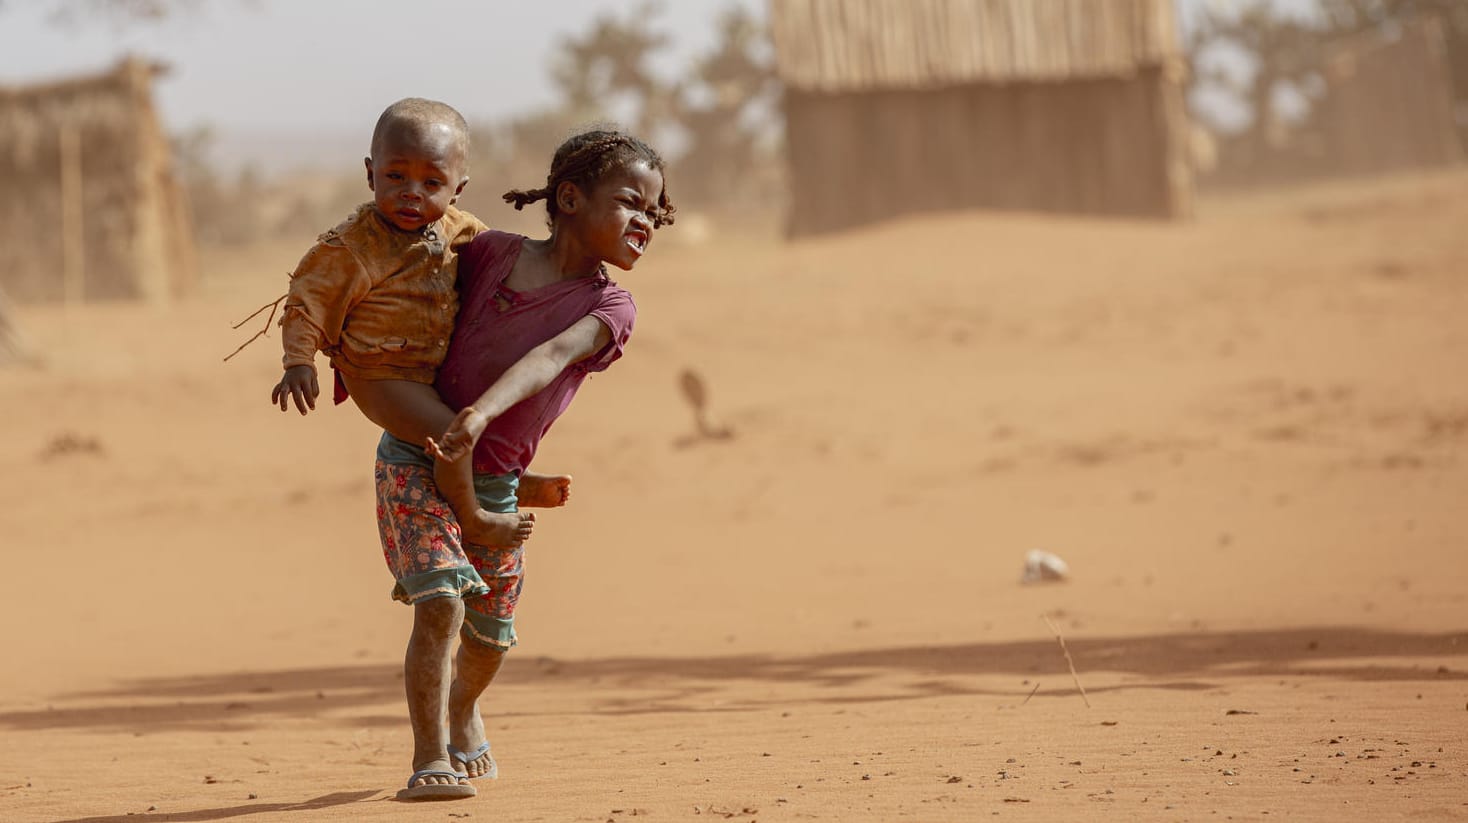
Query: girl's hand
{"type": "Point", "coordinates": [461, 436]}
{"type": "Point", "coordinates": [298, 384]}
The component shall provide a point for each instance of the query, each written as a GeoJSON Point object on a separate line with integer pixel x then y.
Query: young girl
{"type": "Point", "coordinates": [536, 317]}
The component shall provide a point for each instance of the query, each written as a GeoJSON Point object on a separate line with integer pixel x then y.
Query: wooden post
{"type": "Point", "coordinates": [73, 252]}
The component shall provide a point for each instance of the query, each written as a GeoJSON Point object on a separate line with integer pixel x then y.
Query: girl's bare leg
{"type": "Point", "coordinates": [476, 667]}
{"type": "Point", "coordinates": [426, 675]}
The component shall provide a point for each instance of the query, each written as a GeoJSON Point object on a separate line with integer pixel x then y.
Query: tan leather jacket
{"type": "Point", "coordinates": [380, 302]}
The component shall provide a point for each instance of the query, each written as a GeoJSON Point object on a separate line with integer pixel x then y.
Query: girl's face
{"type": "Point", "coordinates": [615, 221]}
{"type": "Point", "coordinates": [415, 174]}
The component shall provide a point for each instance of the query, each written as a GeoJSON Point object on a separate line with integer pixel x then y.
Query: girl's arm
{"type": "Point", "coordinates": [530, 374]}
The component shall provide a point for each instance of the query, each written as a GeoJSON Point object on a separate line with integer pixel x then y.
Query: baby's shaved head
{"type": "Point", "coordinates": [417, 115]}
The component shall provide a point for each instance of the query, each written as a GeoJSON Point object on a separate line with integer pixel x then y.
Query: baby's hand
{"type": "Point", "coordinates": [461, 436]}
{"type": "Point", "coordinates": [298, 384]}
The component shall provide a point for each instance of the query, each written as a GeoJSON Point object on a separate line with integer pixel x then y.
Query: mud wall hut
{"type": "Point", "coordinates": [1390, 103]}
{"type": "Point", "coordinates": [902, 106]}
{"type": "Point", "coordinates": [12, 345]}
{"type": "Point", "coordinates": [94, 210]}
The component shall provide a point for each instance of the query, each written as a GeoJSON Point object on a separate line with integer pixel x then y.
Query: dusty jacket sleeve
{"type": "Point", "coordinates": [327, 283]}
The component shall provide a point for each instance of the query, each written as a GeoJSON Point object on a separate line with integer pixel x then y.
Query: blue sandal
{"type": "Point", "coordinates": [466, 758]}
{"type": "Point", "coordinates": [436, 791]}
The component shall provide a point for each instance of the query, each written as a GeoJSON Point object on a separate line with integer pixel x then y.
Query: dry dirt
{"type": "Point", "coordinates": [1248, 436]}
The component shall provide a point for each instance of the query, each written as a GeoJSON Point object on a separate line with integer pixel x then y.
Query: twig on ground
{"type": "Point", "coordinates": [1031, 694]}
{"type": "Point", "coordinates": [1068, 661]}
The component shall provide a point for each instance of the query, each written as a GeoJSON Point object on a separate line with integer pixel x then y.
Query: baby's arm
{"type": "Point", "coordinates": [299, 384]}
{"type": "Point", "coordinates": [326, 284]}
{"type": "Point", "coordinates": [529, 375]}
{"type": "Point", "coordinates": [412, 412]}
{"type": "Point", "coordinates": [300, 338]}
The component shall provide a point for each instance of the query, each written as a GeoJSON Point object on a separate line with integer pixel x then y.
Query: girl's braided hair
{"type": "Point", "coordinates": [584, 160]}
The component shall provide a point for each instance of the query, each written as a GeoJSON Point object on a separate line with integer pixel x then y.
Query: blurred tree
{"type": "Point", "coordinates": [717, 122]}
{"type": "Point", "coordinates": [607, 68]}
{"type": "Point", "coordinates": [116, 12]}
{"type": "Point", "coordinates": [208, 204]}
{"type": "Point", "coordinates": [224, 212]}
{"type": "Point", "coordinates": [1284, 53]}
{"type": "Point", "coordinates": [1348, 16]}
{"type": "Point", "coordinates": [728, 110]}
{"type": "Point", "coordinates": [601, 75]}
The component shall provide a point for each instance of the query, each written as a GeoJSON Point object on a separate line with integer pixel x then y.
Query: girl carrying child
{"type": "Point", "coordinates": [536, 317]}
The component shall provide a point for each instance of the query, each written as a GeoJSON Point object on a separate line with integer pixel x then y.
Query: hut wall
{"type": "Point", "coordinates": [1390, 106]}
{"type": "Point", "coordinates": [1090, 146]}
{"type": "Point", "coordinates": [134, 236]}
{"type": "Point", "coordinates": [12, 345]}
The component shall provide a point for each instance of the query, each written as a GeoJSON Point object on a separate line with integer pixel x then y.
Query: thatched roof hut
{"type": "Point", "coordinates": [95, 211]}
{"type": "Point", "coordinates": [899, 106]}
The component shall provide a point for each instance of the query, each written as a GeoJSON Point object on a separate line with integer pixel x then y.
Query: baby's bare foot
{"type": "Point", "coordinates": [498, 530]}
{"type": "Point", "coordinates": [543, 491]}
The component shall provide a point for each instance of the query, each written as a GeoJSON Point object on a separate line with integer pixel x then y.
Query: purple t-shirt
{"type": "Point", "coordinates": [497, 326]}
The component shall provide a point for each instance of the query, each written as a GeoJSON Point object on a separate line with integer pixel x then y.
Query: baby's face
{"type": "Point", "coordinates": [415, 173]}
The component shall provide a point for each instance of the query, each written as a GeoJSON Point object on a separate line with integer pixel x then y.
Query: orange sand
{"type": "Point", "coordinates": [1246, 435]}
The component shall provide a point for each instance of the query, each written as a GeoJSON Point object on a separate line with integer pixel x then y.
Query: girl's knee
{"type": "Point", "coordinates": [478, 661]}
{"type": "Point", "coordinates": [438, 615]}
{"type": "Point", "coordinates": [479, 651]}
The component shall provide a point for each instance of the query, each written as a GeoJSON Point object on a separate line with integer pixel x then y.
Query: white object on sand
{"type": "Point", "coordinates": [1044, 567]}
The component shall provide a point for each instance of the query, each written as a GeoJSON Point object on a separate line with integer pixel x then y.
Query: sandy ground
{"type": "Point", "coordinates": [1248, 436]}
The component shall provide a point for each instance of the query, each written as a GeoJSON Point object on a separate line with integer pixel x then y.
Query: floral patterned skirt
{"type": "Point", "coordinates": [428, 557]}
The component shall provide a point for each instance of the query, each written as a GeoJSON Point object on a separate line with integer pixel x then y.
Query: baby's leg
{"type": "Point", "coordinates": [413, 412]}
{"type": "Point", "coordinates": [456, 482]}
{"type": "Point", "coordinates": [543, 491]}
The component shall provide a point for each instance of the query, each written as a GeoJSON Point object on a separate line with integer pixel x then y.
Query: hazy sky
{"type": "Point", "coordinates": [327, 67]}
{"type": "Point", "coordinates": [329, 64]}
